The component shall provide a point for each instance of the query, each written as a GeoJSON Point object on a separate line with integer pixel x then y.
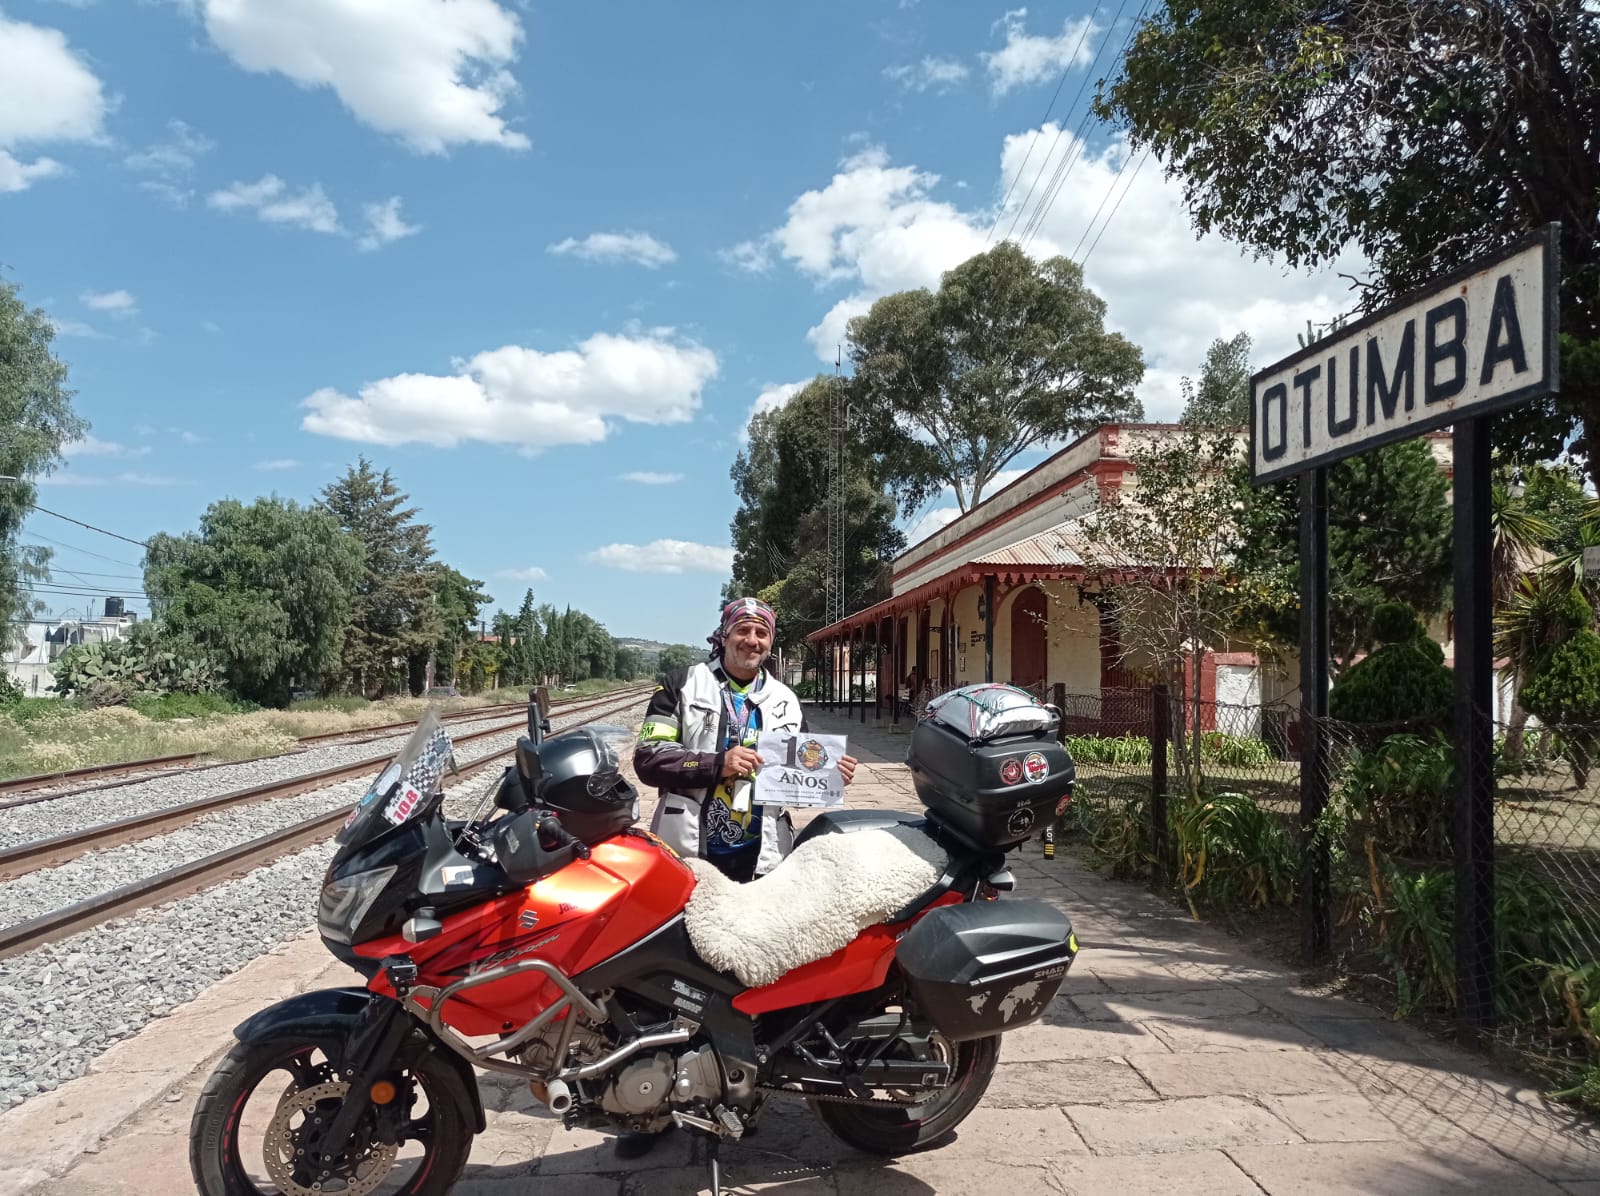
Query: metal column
{"type": "Point", "coordinates": [1316, 925]}
{"type": "Point", "coordinates": [1473, 824]}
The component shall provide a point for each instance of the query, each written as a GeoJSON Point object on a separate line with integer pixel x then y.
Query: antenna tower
{"type": "Point", "coordinates": [837, 426]}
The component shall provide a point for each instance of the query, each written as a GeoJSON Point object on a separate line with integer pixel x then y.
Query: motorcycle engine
{"type": "Point", "coordinates": [646, 1085]}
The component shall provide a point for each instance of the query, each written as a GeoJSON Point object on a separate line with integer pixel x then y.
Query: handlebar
{"type": "Point", "coordinates": [551, 826]}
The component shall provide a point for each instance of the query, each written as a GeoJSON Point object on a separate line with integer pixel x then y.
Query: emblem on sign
{"type": "Point", "coordinates": [811, 755]}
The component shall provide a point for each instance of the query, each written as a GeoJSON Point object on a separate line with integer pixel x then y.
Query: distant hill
{"type": "Point", "coordinates": [649, 650]}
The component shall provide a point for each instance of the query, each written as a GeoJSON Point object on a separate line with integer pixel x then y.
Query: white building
{"type": "Point", "coordinates": [36, 644]}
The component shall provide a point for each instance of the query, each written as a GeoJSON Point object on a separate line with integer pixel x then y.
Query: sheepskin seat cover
{"type": "Point", "coordinates": [813, 903]}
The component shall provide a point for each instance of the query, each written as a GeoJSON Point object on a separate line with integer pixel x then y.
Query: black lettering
{"type": "Point", "coordinates": [1503, 323]}
{"type": "Point", "coordinates": [789, 760]}
{"type": "Point", "coordinates": [1336, 426]}
{"type": "Point", "coordinates": [1302, 383]}
{"type": "Point", "coordinates": [1452, 350]}
{"type": "Point", "coordinates": [1276, 394]}
{"type": "Point", "coordinates": [1405, 369]}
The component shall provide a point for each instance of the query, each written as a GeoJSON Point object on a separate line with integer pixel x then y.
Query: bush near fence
{"type": "Point", "coordinates": [1231, 845]}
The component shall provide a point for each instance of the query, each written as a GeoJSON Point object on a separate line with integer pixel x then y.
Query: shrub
{"type": "Point", "coordinates": [1235, 751]}
{"type": "Point", "coordinates": [1233, 853]}
{"type": "Point", "coordinates": [1396, 623]}
{"type": "Point", "coordinates": [1117, 828]}
{"type": "Point", "coordinates": [1401, 790]}
{"type": "Point", "coordinates": [1403, 682]}
{"type": "Point", "coordinates": [1109, 749]}
{"type": "Point", "coordinates": [1564, 693]}
{"type": "Point", "coordinates": [111, 672]}
{"type": "Point", "coordinates": [169, 706]}
{"type": "Point", "coordinates": [11, 691]}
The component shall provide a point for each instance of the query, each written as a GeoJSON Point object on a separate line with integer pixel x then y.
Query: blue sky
{"type": "Point", "coordinates": [542, 261]}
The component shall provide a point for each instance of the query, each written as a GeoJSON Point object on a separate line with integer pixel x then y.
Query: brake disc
{"type": "Point", "coordinates": [290, 1162]}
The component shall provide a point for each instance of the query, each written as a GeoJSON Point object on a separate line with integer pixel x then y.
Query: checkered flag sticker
{"type": "Point", "coordinates": [434, 757]}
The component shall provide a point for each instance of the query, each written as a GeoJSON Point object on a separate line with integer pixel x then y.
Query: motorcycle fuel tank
{"type": "Point", "coordinates": [574, 919]}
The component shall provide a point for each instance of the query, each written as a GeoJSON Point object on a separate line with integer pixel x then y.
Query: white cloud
{"type": "Point", "coordinates": [664, 556]}
{"type": "Point", "coordinates": [272, 200]}
{"type": "Point", "coordinates": [772, 396]}
{"type": "Point", "coordinates": [171, 163]}
{"type": "Point", "coordinates": [531, 573]}
{"type": "Point", "coordinates": [47, 94]}
{"type": "Point", "coordinates": [931, 522]}
{"type": "Point", "coordinates": [91, 446]}
{"type": "Point", "coordinates": [213, 328]}
{"type": "Point", "coordinates": [186, 436]}
{"type": "Point", "coordinates": [875, 229]}
{"type": "Point", "coordinates": [1027, 59]}
{"type": "Point", "coordinates": [117, 303]}
{"type": "Point", "coordinates": [753, 257]}
{"type": "Point", "coordinates": [434, 73]}
{"type": "Point", "coordinates": [639, 248]}
{"type": "Point", "coordinates": [64, 478]}
{"type": "Point", "coordinates": [77, 328]}
{"type": "Point", "coordinates": [937, 74]}
{"type": "Point", "coordinates": [521, 396]}
{"type": "Point", "coordinates": [646, 478]}
{"type": "Point", "coordinates": [385, 224]}
{"type": "Point", "coordinates": [278, 464]}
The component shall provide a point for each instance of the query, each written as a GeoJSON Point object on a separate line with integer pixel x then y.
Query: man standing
{"type": "Point", "coordinates": [697, 746]}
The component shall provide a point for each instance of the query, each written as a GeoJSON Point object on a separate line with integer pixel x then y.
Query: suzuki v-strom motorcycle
{"type": "Point", "coordinates": [545, 937]}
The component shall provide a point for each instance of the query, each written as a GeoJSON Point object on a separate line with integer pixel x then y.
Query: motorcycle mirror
{"type": "Point", "coordinates": [529, 767]}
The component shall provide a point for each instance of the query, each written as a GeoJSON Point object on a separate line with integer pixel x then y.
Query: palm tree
{"type": "Point", "coordinates": [1517, 550]}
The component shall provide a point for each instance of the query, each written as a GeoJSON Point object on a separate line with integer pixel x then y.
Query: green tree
{"type": "Point", "coordinates": [1389, 537]}
{"type": "Point", "coordinates": [1006, 355]}
{"type": "Point", "coordinates": [678, 656]}
{"type": "Point", "coordinates": [1222, 398]}
{"type": "Point", "coordinates": [1403, 681]}
{"type": "Point", "coordinates": [459, 599]}
{"type": "Point", "coordinates": [36, 419]}
{"type": "Point", "coordinates": [1163, 552]}
{"type": "Point", "coordinates": [264, 589]}
{"type": "Point", "coordinates": [780, 530]}
{"type": "Point", "coordinates": [1564, 690]}
{"type": "Point", "coordinates": [629, 663]}
{"type": "Point", "coordinates": [1420, 135]}
{"type": "Point", "coordinates": [393, 622]}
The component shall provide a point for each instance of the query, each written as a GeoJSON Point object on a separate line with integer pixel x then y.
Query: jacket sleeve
{"type": "Point", "coordinates": [661, 759]}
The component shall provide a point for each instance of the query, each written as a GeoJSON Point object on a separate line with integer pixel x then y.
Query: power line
{"type": "Point", "coordinates": [1065, 71]}
{"type": "Point", "coordinates": [1104, 199]}
{"type": "Point", "coordinates": [90, 526]}
{"type": "Point", "coordinates": [86, 552]}
{"type": "Point", "coordinates": [1115, 206]}
{"type": "Point", "coordinates": [1064, 170]}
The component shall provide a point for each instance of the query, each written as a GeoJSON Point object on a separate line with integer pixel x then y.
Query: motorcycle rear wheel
{"type": "Point", "coordinates": [218, 1149]}
{"type": "Point", "coordinates": [895, 1130]}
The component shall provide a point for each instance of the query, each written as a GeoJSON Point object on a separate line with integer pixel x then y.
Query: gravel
{"type": "Point", "coordinates": [39, 820]}
{"type": "Point", "coordinates": [62, 1004]}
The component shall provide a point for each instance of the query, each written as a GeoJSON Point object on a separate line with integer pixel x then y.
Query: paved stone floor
{"type": "Point", "coordinates": [1171, 1061]}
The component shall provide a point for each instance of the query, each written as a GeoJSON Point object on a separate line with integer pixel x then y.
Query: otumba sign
{"type": "Point", "coordinates": [1476, 341]}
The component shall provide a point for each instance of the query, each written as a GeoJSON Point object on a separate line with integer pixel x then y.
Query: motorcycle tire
{"type": "Point", "coordinates": [216, 1153]}
{"type": "Point", "coordinates": [888, 1130]}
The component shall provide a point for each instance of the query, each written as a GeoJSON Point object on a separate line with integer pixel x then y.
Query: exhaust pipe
{"type": "Point", "coordinates": [555, 1095]}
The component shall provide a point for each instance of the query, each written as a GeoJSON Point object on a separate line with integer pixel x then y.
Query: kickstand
{"type": "Point", "coordinates": [714, 1161]}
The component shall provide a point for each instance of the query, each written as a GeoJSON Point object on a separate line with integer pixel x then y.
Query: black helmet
{"type": "Point", "coordinates": [581, 780]}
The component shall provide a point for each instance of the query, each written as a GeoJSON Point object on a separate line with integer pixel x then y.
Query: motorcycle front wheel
{"type": "Point", "coordinates": [886, 1129]}
{"type": "Point", "coordinates": [255, 1124]}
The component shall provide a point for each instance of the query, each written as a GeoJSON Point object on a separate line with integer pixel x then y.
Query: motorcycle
{"type": "Point", "coordinates": [545, 936]}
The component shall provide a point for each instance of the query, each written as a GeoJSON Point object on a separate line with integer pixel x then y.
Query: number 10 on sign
{"type": "Point", "coordinates": [800, 770]}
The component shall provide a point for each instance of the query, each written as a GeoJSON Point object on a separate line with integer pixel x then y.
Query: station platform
{"type": "Point", "coordinates": [1173, 1060]}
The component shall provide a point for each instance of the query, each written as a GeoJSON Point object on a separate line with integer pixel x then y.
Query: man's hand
{"type": "Point", "coordinates": [847, 768]}
{"type": "Point", "coordinates": [741, 762]}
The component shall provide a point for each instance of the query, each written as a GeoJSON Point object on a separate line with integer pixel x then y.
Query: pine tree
{"type": "Point", "coordinates": [393, 623]}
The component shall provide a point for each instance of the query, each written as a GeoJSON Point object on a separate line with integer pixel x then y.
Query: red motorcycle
{"type": "Point", "coordinates": [546, 937]}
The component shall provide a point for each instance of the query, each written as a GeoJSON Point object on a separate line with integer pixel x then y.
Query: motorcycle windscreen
{"type": "Point", "coordinates": [402, 790]}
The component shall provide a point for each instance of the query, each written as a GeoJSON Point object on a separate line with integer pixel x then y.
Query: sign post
{"type": "Point", "coordinates": [1479, 340]}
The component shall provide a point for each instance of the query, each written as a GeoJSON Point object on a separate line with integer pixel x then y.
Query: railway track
{"type": "Point", "coordinates": [195, 875]}
{"type": "Point", "coordinates": [108, 774]}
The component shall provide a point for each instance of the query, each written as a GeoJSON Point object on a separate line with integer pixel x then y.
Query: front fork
{"type": "Point", "coordinates": [369, 1058]}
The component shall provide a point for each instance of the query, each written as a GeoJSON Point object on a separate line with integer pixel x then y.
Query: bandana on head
{"type": "Point", "coordinates": [736, 612]}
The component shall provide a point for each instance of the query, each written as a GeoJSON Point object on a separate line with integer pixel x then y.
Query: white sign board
{"type": "Point", "coordinates": [1591, 562]}
{"type": "Point", "coordinates": [799, 769]}
{"type": "Point", "coordinates": [1474, 342]}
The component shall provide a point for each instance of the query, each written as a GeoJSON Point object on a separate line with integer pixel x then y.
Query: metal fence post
{"type": "Point", "coordinates": [1160, 734]}
{"type": "Point", "coordinates": [1316, 905]}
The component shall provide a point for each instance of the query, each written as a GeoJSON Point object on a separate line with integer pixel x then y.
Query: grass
{"type": "Point", "coordinates": [40, 735]}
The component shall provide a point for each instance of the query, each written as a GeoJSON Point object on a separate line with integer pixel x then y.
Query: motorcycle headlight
{"type": "Point", "coordinates": [346, 900]}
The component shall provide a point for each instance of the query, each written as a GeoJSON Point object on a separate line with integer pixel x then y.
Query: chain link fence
{"type": "Point", "coordinates": [1216, 820]}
